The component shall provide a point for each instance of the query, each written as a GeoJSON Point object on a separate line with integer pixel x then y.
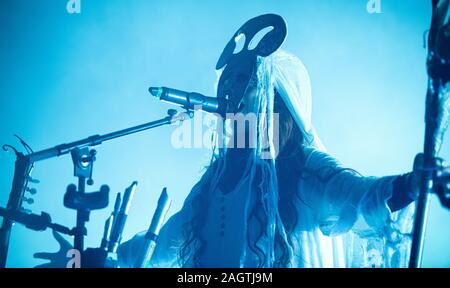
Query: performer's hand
{"type": "Point", "coordinates": [58, 259]}
{"type": "Point", "coordinates": [442, 183]}
{"type": "Point", "coordinates": [414, 177]}
{"type": "Point", "coordinates": [442, 171]}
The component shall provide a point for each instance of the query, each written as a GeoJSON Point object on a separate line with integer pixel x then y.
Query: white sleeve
{"type": "Point", "coordinates": [337, 196]}
{"type": "Point", "coordinates": [167, 246]}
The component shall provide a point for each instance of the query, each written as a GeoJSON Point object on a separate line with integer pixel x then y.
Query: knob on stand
{"type": "Point", "coordinates": [77, 198]}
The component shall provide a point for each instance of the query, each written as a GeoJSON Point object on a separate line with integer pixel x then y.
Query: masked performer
{"type": "Point", "coordinates": [281, 200]}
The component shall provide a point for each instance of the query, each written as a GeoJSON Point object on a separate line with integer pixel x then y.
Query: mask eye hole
{"type": "Point", "coordinates": [240, 42]}
{"type": "Point", "coordinates": [258, 37]}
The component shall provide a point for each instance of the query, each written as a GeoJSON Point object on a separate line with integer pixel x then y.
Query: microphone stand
{"type": "Point", "coordinates": [74, 198]}
{"type": "Point", "coordinates": [436, 122]}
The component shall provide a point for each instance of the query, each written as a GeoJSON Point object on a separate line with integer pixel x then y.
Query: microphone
{"type": "Point", "coordinates": [151, 237]}
{"type": "Point", "coordinates": [109, 224]}
{"type": "Point", "coordinates": [121, 218]}
{"type": "Point", "coordinates": [190, 100]}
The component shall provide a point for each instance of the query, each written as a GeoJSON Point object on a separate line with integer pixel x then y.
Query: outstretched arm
{"type": "Point", "coordinates": [337, 195]}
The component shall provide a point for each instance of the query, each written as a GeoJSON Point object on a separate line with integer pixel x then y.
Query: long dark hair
{"type": "Point", "coordinates": [290, 166]}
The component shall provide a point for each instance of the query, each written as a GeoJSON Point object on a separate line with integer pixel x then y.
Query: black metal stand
{"type": "Point", "coordinates": [83, 160]}
{"type": "Point", "coordinates": [75, 198]}
{"type": "Point", "coordinates": [22, 170]}
{"type": "Point", "coordinates": [436, 117]}
{"type": "Point", "coordinates": [99, 139]}
{"type": "Point", "coordinates": [426, 188]}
